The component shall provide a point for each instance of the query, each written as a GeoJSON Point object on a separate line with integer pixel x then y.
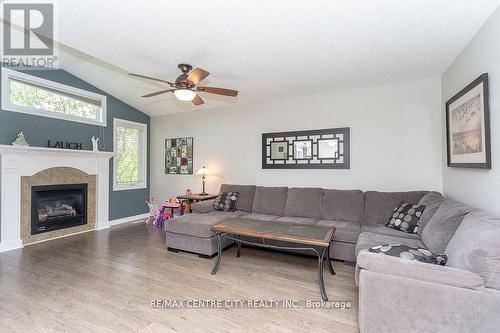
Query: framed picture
{"type": "Point", "coordinates": [309, 149]}
{"type": "Point", "coordinates": [179, 156]}
{"type": "Point", "coordinates": [468, 126]}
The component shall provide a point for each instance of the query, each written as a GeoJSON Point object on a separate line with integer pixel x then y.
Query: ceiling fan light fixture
{"type": "Point", "coordinates": [185, 95]}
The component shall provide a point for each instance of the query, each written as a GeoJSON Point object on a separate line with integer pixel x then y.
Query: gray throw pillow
{"type": "Point", "coordinates": [226, 202]}
{"type": "Point", "coordinates": [405, 217]}
{"type": "Point", "coordinates": [476, 247]}
{"type": "Point", "coordinates": [442, 226]}
{"type": "Point", "coordinates": [410, 253]}
{"type": "Point", "coordinates": [431, 201]}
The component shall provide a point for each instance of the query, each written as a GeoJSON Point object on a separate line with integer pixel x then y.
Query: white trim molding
{"type": "Point", "coordinates": [18, 161]}
{"type": "Point", "coordinates": [143, 163]}
{"type": "Point", "coordinates": [7, 105]}
{"type": "Point", "coordinates": [129, 219]}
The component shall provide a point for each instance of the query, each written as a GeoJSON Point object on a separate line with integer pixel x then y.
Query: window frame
{"type": "Point", "coordinates": [7, 105]}
{"type": "Point", "coordinates": [141, 126]}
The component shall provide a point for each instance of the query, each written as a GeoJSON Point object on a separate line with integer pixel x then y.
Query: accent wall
{"type": "Point", "coordinates": [38, 130]}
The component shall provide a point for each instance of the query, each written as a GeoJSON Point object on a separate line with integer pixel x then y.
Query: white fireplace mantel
{"type": "Point", "coordinates": [18, 161]}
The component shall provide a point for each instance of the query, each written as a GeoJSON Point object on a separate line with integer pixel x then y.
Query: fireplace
{"type": "Point", "coordinates": [58, 206]}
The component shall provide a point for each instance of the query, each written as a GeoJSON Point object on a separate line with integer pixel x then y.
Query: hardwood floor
{"type": "Point", "coordinates": [105, 281]}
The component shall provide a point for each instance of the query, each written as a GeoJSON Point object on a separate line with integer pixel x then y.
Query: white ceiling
{"type": "Point", "coordinates": [267, 49]}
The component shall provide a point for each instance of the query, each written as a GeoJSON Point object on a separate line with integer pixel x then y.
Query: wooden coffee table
{"type": "Point", "coordinates": [306, 236]}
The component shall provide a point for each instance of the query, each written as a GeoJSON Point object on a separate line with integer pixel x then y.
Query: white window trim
{"type": "Point", "coordinates": [144, 128]}
{"type": "Point", "coordinates": [8, 74]}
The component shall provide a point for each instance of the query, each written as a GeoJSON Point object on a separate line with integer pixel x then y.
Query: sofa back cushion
{"type": "Point", "coordinates": [431, 201]}
{"type": "Point", "coordinates": [476, 247]}
{"type": "Point", "coordinates": [304, 202]}
{"type": "Point", "coordinates": [379, 205]}
{"type": "Point", "coordinates": [269, 200]}
{"type": "Point", "coordinates": [245, 195]}
{"type": "Point", "coordinates": [443, 224]}
{"type": "Point", "coordinates": [343, 205]}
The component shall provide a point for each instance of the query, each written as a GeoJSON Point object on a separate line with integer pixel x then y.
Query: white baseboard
{"type": "Point", "coordinates": [129, 219]}
{"type": "Point", "coordinates": [11, 244]}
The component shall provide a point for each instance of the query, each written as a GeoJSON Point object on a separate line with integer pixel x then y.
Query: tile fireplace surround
{"type": "Point", "coordinates": [21, 167]}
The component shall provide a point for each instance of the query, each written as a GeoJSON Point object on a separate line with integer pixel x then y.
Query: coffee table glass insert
{"type": "Point", "coordinates": [300, 236]}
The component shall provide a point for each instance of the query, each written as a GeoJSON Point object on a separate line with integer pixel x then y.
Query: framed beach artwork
{"type": "Point", "coordinates": [468, 126]}
{"type": "Point", "coordinates": [179, 156]}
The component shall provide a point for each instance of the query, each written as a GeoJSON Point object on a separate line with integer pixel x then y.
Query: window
{"type": "Point", "coordinates": [30, 94]}
{"type": "Point", "coordinates": [130, 161]}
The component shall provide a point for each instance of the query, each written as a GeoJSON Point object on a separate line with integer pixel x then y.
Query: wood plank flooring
{"type": "Point", "coordinates": [105, 281]}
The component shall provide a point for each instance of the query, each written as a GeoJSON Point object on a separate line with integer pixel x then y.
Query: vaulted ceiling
{"type": "Point", "coordinates": [266, 49]}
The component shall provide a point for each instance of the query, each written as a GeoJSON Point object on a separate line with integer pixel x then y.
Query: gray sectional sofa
{"type": "Point", "coordinates": [395, 295]}
{"type": "Point", "coordinates": [358, 217]}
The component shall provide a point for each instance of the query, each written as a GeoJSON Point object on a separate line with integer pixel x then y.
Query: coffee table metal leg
{"type": "Point", "coordinates": [321, 257]}
{"type": "Point", "coordinates": [238, 250]}
{"type": "Point", "coordinates": [219, 253]}
{"type": "Point", "coordinates": [329, 260]}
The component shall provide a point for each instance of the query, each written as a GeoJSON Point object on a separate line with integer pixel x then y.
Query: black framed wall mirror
{"type": "Point", "coordinates": [309, 149]}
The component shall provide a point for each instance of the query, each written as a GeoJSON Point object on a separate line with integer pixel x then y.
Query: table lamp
{"type": "Point", "coordinates": [203, 172]}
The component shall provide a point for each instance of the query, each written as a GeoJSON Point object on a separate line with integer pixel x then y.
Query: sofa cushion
{"type": "Point", "coordinates": [343, 205]}
{"type": "Point", "coordinates": [304, 202]}
{"type": "Point", "coordinates": [258, 216]}
{"type": "Point", "coordinates": [441, 227]}
{"type": "Point", "coordinates": [431, 201]}
{"type": "Point", "coordinates": [295, 219]}
{"type": "Point", "coordinates": [245, 195]}
{"type": "Point", "coordinates": [198, 224]}
{"type": "Point", "coordinates": [382, 229]}
{"type": "Point", "coordinates": [204, 206]}
{"type": "Point", "coordinates": [368, 239]}
{"type": "Point", "coordinates": [405, 217]}
{"type": "Point", "coordinates": [379, 205]}
{"type": "Point", "coordinates": [345, 231]}
{"type": "Point", "coordinates": [476, 247]}
{"type": "Point", "coordinates": [269, 200]}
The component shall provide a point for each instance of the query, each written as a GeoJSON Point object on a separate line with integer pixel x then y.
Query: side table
{"type": "Point", "coordinates": [196, 197]}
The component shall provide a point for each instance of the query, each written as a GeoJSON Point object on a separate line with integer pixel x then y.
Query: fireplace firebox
{"type": "Point", "coordinates": [58, 206]}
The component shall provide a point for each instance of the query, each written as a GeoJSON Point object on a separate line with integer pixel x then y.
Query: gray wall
{"type": "Point", "coordinates": [480, 188]}
{"type": "Point", "coordinates": [395, 136]}
{"type": "Point", "coordinates": [39, 130]}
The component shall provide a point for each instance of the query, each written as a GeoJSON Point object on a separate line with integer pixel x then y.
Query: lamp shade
{"type": "Point", "coordinates": [203, 171]}
{"type": "Point", "coordinates": [184, 94]}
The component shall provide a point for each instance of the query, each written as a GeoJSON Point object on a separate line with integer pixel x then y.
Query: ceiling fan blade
{"type": "Point", "coordinates": [219, 91]}
{"type": "Point", "coordinates": [197, 75]}
{"type": "Point", "coordinates": [152, 78]}
{"type": "Point", "coordinates": [197, 100]}
{"type": "Point", "coordinates": [158, 93]}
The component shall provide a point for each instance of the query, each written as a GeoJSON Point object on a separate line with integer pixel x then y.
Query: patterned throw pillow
{"type": "Point", "coordinates": [405, 217]}
{"type": "Point", "coordinates": [226, 202]}
{"type": "Point", "coordinates": [410, 253]}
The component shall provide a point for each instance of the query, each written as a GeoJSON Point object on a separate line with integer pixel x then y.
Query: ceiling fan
{"type": "Point", "coordinates": [185, 86]}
